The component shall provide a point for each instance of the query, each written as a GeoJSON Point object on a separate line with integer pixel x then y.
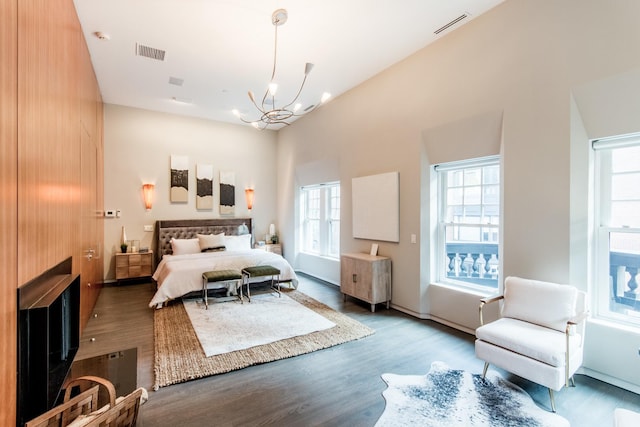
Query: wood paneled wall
{"type": "Point", "coordinates": [8, 205]}
{"type": "Point", "coordinates": [51, 190]}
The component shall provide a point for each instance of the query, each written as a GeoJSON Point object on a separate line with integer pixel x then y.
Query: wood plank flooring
{"type": "Point", "coordinates": [338, 386]}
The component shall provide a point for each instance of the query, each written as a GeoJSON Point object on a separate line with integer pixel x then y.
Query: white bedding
{"type": "Point", "coordinates": [178, 275]}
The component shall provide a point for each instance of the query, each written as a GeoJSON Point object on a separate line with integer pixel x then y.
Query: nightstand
{"type": "Point", "coordinates": [276, 248]}
{"type": "Point", "coordinates": [132, 265]}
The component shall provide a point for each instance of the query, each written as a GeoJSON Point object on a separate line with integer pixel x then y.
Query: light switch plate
{"type": "Point", "coordinates": [148, 228]}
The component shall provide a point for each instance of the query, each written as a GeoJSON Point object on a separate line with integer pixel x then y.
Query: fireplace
{"type": "Point", "coordinates": [48, 338]}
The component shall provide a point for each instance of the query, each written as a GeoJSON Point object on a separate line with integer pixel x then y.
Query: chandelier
{"type": "Point", "coordinates": [270, 113]}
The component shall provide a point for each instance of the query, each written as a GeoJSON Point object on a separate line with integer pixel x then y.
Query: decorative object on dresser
{"type": "Point", "coordinates": [132, 265]}
{"type": "Point", "coordinates": [366, 277]}
{"type": "Point", "coordinates": [446, 397]}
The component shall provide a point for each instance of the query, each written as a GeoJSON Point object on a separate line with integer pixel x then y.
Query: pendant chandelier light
{"type": "Point", "coordinates": [270, 113]}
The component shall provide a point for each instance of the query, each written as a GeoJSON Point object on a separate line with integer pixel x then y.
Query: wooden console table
{"type": "Point", "coordinates": [366, 277]}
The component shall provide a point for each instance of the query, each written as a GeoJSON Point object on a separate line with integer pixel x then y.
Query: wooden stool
{"type": "Point", "coordinates": [261, 271]}
{"type": "Point", "coordinates": [227, 277]}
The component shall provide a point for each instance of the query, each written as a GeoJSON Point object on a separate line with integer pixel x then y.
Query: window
{"type": "Point", "coordinates": [617, 221]}
{"type": "Point", "coordinates": [320, 219]}
{"type": "Point", "coordinates": [469, 222]}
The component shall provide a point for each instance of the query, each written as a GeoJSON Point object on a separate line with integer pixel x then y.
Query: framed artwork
{"type": "Point", "coordinates": [179, 179]}
{"type": "Point", "coordinates": [227, 192]}
{"type": "Point", "coordinates": [204, 186]}
{"type": "Point", "coordinates": [375, 204]}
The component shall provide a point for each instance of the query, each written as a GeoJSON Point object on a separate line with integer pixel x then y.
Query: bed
{"type": "Point", "coordinates": [180, 273]}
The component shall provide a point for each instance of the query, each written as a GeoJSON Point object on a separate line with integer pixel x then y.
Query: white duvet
{"type": "Point", "coordinates": [178, 275]}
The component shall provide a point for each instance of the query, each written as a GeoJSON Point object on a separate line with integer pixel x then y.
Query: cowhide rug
{"type": "Point", "coordinates": [447, 397]}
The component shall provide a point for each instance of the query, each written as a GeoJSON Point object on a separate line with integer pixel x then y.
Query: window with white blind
{"type": "Point", "coordinates": [320, 219]}
{"type": "Point", "coordinates": [617, 234]}
{"type": "Point", "coordinates": [469, 222]}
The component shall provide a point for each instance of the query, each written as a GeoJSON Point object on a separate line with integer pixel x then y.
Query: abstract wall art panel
{"type": "Point", "coordinates": [179, 179]}
{"type": "Point", "coordinates": [204, 184]}
{"type": "Point", "coordinates": [227, 192]}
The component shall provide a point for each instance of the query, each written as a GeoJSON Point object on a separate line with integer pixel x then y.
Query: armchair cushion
{"type": "Point", "coordinates": [537, 342]}
{"type": "Point", "coordinates": [543, 303]}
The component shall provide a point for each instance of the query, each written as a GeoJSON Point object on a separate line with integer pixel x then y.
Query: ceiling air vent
{"type": "Point", "coordinates": [452, 23]}
{"type": "Point", "coordinates": [149, 52]}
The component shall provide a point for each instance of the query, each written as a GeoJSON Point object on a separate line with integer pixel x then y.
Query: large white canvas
{"type": "Point", "coordinates": [376, 207]}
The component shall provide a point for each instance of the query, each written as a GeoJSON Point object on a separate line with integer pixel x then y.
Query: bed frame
{"type": "Point", "coordinates": [189, 228]}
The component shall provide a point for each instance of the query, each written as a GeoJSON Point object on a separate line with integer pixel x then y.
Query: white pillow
{"type": "Point", "coordinates": [543, 303]}
{"type": "Point", "coordinates": [238, 243]}
{"type": "Point", "coordinates": [211, 241]}
{"type": "Point", "coordinates": [185, 246]}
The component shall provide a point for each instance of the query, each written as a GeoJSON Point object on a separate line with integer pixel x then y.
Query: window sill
{"type": "Point", "coordinates": [608, 323]}
{"type": "Point", "coordinates": [482, 293]}
{"type": "Point", "coordinates": [327, 257]}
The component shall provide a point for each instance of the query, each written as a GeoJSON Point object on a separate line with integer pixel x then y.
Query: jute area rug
{"type": "Point", "coordinates": [446, 397]}
{"type": "Point", "coordinates": [179, 356]}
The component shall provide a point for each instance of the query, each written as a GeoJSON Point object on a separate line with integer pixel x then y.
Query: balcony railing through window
{"type": "Point", "coordinates": [474, 263]}
{"type": "Point", "coordinates": [623, 271]}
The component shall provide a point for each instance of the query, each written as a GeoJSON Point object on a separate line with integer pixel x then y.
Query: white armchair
{"type": "Point", "coordinates": [540, 334]}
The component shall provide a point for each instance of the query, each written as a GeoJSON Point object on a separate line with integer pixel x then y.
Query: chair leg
{"type": "Point", "coordinates": [553, 402]}
{"type": "Point", "coordinates": [484, 371]}
{"type": "Point", "coordinates": [572, 381]}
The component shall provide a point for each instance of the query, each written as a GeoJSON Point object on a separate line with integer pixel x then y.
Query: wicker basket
{"type": "Point", "coordinates": [82, 410]}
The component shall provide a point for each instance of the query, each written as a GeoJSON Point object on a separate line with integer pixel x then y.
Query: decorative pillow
{"type": "Point", "coordinates": [185, 246]}
{"type": "Point", "coordinates": [209, 242]}
{"type": "Point", "coordinates": [543, 303]}
{"type": "Point", "coordinates": [238, 243]}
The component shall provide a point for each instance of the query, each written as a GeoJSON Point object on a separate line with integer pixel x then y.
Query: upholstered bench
{"type": "Point", "coordinates": [249, 273]}
{"type": "Point", "coordinates": [230, 278]}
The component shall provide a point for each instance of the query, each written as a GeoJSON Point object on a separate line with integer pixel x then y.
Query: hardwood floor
{"type": "Point", "coordinates": [337, 386]}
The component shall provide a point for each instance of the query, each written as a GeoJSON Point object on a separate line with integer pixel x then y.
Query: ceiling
{"type": "Point", "coordinates": [220, 49]}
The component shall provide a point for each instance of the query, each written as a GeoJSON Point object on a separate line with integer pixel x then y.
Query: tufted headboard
{"type": "Point", "coordinates": [188, 228]}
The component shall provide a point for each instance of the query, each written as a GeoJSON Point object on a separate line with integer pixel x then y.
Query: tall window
{"type": "Point", "coordinates": [469, 222]}
{"type": "Point", "coordinates": [320, 219]}
{"type": "Point", "coordinates": [617, 221]}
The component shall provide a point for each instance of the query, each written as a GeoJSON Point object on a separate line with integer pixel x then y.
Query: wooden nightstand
{"type": "Point", "coordinates": [276, 248]}
{"type": "Point", "coordinates": [132, 265]}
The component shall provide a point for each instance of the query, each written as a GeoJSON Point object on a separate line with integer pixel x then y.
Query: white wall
{"type": "Point", "coordinates": [525, 58]}
{"type": "Point", "coordinates": [138, 145]}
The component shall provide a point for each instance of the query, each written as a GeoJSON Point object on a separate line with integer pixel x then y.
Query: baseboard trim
{"type": "Point", "coordinates": [610, 380]}
{"type": "Point", "coordinates": [423, 316]}
{"type": "Point", "coordinates": [322, 279]}
{"type": "Point", "coordinates": [454, 325]}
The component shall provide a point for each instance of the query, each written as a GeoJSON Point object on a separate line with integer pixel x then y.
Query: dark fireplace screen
{"type": "Point", "coordinates": [49, 336]}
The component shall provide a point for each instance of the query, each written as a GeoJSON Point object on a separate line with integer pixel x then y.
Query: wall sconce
{"type": "Point", "coordinates": [248, 192]}
{"type": "Point", "coordinates": [147, 194]}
